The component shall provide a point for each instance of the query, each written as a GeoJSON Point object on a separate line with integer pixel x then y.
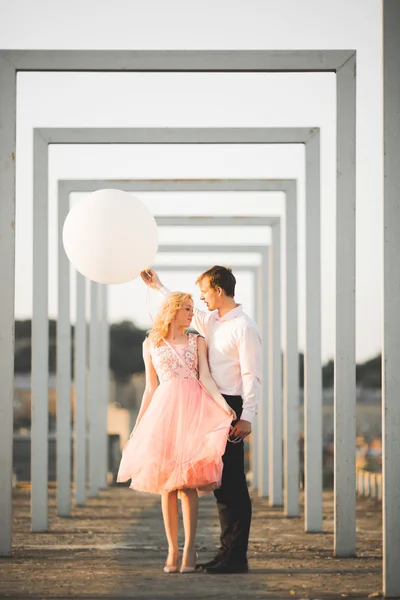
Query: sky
{"type": "Point", "coordinates": [204, 100]}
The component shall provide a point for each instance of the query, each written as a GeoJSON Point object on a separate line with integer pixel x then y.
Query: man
{"type": "Point", "coordinates": [234, 353]}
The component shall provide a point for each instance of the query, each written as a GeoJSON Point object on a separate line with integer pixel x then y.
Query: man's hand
{"type": "Point", "coordinates": [241, 430]}
{"type": "Point", "coordinates": [151, 279]}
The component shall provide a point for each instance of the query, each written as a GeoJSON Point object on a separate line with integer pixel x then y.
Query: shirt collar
{"type": "Point", "coordinates": [232, 314]}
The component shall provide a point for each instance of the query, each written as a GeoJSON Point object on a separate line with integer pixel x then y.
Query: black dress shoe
{"type": "Point", "coordinates": [226, 567]}
{"type": "Point", "coordinates": [211, 563]}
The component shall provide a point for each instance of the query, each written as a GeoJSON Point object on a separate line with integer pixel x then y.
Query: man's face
{"type": "Point", "coordinates": [209, 295]}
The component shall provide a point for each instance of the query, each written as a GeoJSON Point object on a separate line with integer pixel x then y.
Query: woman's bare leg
{"type": "Point", "coordinates": [190, 512]}
{"type": "Point", "coordinates": [169, 505]}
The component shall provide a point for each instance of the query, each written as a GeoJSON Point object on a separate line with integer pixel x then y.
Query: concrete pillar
{"type": "Point", "coordinates": [40, 340]}
{"type": "Point", "coordinates": [81, 425]}
{"type": "Point", "coordinates": [391, 301]}
{"type": "Point", "coordinates": [7, 270]}
{"type": "Point", "coordinates": [261, 425]}
{"type": "Point", "coordinates": [379, 491]}
{"type": "Point", "coordinates": [367, 484]}
{"type": "Point", "coordinates": [373, 486]}
{"type": "Point", "coordinates": [275, 417]}
{"type": "Point", "coordinates": [103, 395]}
{"type": "Point", "coordinates": [312, 358]}
{"type": "Point", "coordinates": [360, 482]}
{"type": "Point", "coordinates": [345, 364]}
{"type": "Point", "coordinates": [257, 278]}
{"type": "Point", "coordinates": [253, 437]}
{"type": "Point", "coordinates": [291, 417]}
{"type": "Point", "coordinates": [94, 392]}
{"type": "Point", "coordinates": [64, 430]}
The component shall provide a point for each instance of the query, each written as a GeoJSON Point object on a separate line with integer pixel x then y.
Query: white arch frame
{"type": "Point", "coordinates": [345, 347]}
{"type": "Point", "coordinates": [313, 383]}
{"type": "Point", "coordinates": [342, 63]}
{"type": "Point", "coordinates": [268, 481]}
{"type": "Point", "coordinates": [262, 429]}
{"type": "Point", "coordinates": [255, 271]}
{"type": "Point", "coordinates": [291, 370]}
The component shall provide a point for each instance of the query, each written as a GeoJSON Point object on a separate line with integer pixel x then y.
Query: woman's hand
{"type": "Point", "coordinates": [232, 413]}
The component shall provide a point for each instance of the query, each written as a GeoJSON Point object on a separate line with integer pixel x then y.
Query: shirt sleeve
{"type": "Point", "coordinates": [200, 317]}
{"type": "Point", "coordinates": [250, 359]}
{"type": "Point", "coordinates": [164, 291]}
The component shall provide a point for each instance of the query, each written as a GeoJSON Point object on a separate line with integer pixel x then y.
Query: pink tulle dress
{"type": "Point", "coordinates": [180, 440]}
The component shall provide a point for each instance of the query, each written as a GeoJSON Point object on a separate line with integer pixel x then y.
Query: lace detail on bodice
{"type": "Point", "coordinates": [167, 364]}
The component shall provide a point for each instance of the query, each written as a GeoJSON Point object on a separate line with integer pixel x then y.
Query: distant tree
{"type": "Point", "coordinates": [52, 329]}
{"type": "Point", "coordinates": [22, 358]}
{"type": "Point", "coordinates": [369, 374]}
{"type": "Point", "coordinates": [328, 372]}
{"type": "Point", "coordinates": [301, 370]}
{"type": "Point", "coordinates": [23, 329]}
{"type": "Point", "coordinates": [126, 349]}
{"type": "Point", "coordinates": [126, 355]}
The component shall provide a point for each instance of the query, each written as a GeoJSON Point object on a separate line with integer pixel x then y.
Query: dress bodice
{"type": "Point", "coordinates": [167, 364]}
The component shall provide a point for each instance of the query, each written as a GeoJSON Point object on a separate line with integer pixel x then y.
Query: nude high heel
{"type": "Point", "coordinates": [190, 569]}
{"type": "Point", "coordinates": [171, 569]}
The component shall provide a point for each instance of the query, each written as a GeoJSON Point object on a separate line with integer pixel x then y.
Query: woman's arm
{"type": "Point", "coordinates": [208, 381]}
{"type": "Point", "coordinates": [151, 381]}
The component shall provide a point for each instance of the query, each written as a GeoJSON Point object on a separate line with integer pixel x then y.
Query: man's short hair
{"type": "Point", "coordinates": [220, 277]}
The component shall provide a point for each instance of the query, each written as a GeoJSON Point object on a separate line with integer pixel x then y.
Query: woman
{"type": "Point", "coordinates": [179, 438]}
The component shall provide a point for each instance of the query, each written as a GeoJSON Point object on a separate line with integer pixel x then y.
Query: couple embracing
{"type": "Point", "coordinates": [199, 403]}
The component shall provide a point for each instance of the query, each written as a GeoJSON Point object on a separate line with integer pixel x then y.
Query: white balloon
{"type": "Point", "coordinates": [110, 236]}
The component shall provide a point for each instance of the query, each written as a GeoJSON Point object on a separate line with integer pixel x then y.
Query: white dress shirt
{"type": "Point", "coordinates": [234, 354]}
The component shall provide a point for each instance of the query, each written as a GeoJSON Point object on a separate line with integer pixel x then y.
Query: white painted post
{"type": "Point", "coordinates": [7, 254]}
{"type": "Point", "coordinates": [367, 484]}
{"type": "Point", "coordinates": [261, 429]}
{"type": "Point", "coordinates": [106, 370]}
{"type": "Point", "coordinates": [260, 425]}
{"type": "Point", "coordinates": [291, 370]}
{"type": "Point", "coordinates": [379, 484]}
{"type": "Point", "coordinates": [40, 340]}
{"type": "Point", "coordinates": [63, 445]}
{"type": "Point", "coordinates": [234, 61]}
{"type": "Point", "coordinates": [373, 486]}
{"type": "Point", "coordinates": [253, 440]}
{"type": "Point", "coordinates": [275, 417]}
{"type": "Point", "coordinates": [312, 365]}
{"type": "Point", "coordinates": [94, 388]}
{"type": "Point", "coordinates": [103, 395]}
{"type": "Point", "coordinates": [291, 418]}
{"type": "Point", "coordinates": [360, 479]}
{"type": "Point", "coordinates": [345, 363]}
{"type": "Point", "coordinates": [80, 391]}
{"type": "Point", "coordinates": [391, 301]}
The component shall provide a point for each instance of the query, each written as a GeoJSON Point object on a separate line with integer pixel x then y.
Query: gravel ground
{"type": "Point", "coordinates": [115, 548]}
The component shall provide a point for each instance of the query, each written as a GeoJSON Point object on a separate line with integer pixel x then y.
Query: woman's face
{"type": "Point", "coordinates": [184, 315]}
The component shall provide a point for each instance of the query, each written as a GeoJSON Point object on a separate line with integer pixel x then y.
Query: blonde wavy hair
{"type": "Point", "coordinates": [167, 313]}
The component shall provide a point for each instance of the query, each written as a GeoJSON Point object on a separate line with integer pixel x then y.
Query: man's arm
{"type": "Point", "coordinates": [153, 281]}
{"type": "Point", "coordinates": [249, 348]}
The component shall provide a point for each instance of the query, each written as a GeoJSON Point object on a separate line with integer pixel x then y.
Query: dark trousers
{"type": "Point", "coordinates": [233, 500]}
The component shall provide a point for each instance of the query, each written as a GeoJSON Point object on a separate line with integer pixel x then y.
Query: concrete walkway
{"type": "Point", "coordinates": [115, 548]}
